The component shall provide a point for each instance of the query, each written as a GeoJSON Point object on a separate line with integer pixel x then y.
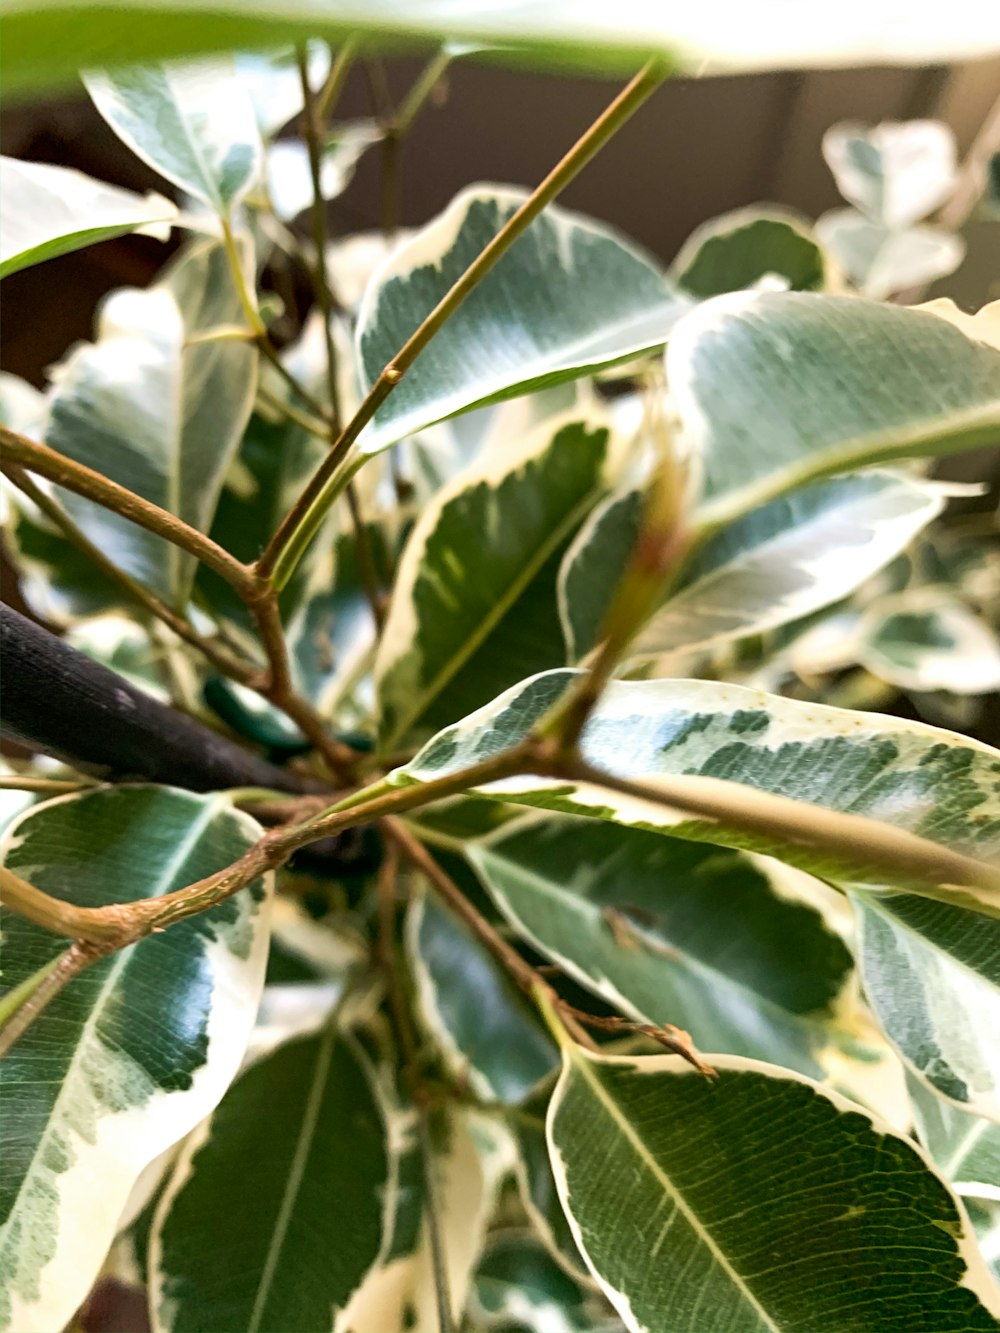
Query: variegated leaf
{"type": "Point", "coordinates": [137, 1049]}
{"type": "Point", "coordinates": [933, 783]}
{"type": "Point", "coordinates": [306, 1121]}
{"type": "Point", "coordinates": [739, 249]}
{"type": "Point", "coordinates": [756, 1200]}
{"type": "Point", "coordinates": [570, 296]}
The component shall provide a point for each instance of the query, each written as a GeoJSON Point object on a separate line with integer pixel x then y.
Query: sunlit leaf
{"type": "Point", "coordinates": [966, 1147]}
{"type": "Point", "coordinates": [530, 322]}
{"type": "Point", "coordinates": [51, 211]}
{"type": "Point", "coordinates": [192, 123]}
{"type": "Point", "coordinates": [137, 1049]}
{"type": "Point", "coordinates": [880, 260]}
{"type": "Point", "coordinates": [895, 173]}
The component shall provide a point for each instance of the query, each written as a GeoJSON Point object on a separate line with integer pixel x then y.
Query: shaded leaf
{"type": "Point", "coordinates": [738, 249]}
{"type": "Point", "coordinates": [635, 917]}
{"type": "Point", "coordinates": [530, 323]}
{"type": "Point", "coordinates": [473, 607]}
{"type": "Point", "coordinates": [308, 1119]}
{"type": "Point", "coordinates": [483, 1026]}
{"type": "Point", "coordinates": [192, 123]}
{"type": "Point", "coordinates": [536, 1183]}
{"type": "Point", "coordinates": [518, 1284]}
{"type": "Point", "coordinates": [51, 211]}
{"type": "Point", "coordinates": [966, 1147]}
{"type": "Point", "coordinates": [137, 1049]}
{"type": "Point", "coordinates": [756, 1201]}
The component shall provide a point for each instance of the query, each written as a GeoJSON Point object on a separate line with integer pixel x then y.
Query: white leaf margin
{"type": "Point", "coordinates": [977, 1277]}
{"type": "Point", "coordinates": [98, 1183]}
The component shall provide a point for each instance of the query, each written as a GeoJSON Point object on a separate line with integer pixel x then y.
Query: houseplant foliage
{"type": "Point", "coordinates": [427, 920]}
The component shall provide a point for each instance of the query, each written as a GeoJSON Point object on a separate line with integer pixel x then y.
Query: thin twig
{"type": "Point", "coordinates": [305, 516]}
{"type": "Point", "coordinates": [68, 965]}
{"type": "Point", "coordinates": [81, 480]}
{"type": "Point", "coordinates": [44, 786]}
{"type": "Point", "coordinates": [247, 673]}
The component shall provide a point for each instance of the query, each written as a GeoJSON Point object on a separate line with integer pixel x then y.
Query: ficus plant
{"type": "Point", "coordinates": [417, 915]}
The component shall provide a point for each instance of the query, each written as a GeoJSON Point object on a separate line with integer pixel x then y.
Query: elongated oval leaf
{"type": "Point", "coordinates": [474, 603]}
{"type": "Point", "coordinates": [635, 917]}
{"type": "Point", "coordinates": [932, 975]}
{"type": "Point", "coordinates": [774, 565]}
{"type": "Point", "coordinates": [775, 389]}
{"type": "Point", "coordinates": [570, 296]}
{"type": "Point", "coordinates": [155, 414]}
{"type": "Point", "coordinates": [307, 1123]}
{"type": "Point", "coordinates": [930, 782]}
{"type": "Point", "coordinates": [486, 1032]}
{"type": "Point", "coordinates": [136, 1050]}
{"type": "Point", "coordinates": [49, 40]}
{"type": "Point", "coordinates": [51, 211]}
{"type": "Point", "coordinates": [756, 1201]}
{"type": "Point", "coordinates": [194, 124]}
{"type": "Point", "coordinates": [737, 250]}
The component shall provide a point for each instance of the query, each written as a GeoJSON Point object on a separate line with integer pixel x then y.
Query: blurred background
{"type": "Point", "coordinates": [700, 148]}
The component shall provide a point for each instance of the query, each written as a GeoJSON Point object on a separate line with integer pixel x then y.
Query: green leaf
{"type": "Point", "coordinates": [775, 389]}
{"type": "Point", "coordinates": [635, 917]}
{"type": "Point", "coordinates": [929, 782]}
{"type": "Point", "coordinates": [47, 40]}
{"type": "Point", "coordinates": [894, 173]}
{"type": "Point", "coordinates": [966, 1147]}
{"type": "Point", "coordinates": [156, 415]}
{"type": "Point", "coordinates": [518, 1284]}
{"type": "Point", "coordinates": [756, 1201]}
{"type": "Point", "coordinates": [137, 1049]}
{"type": "Point", "coordinates": [483, 1026]}
{"type": "Point", "coordinates": [307, 1124]}
{"type": "Point", "coordinates": [51, 211]}
{"type": "Point", "coordinates": [774, 565]}
{"type": "Point", "coordinates": [194, 124]}
{"type": "Point", "coordinates": [929, 640]}
{"type": "Point", "coordinates": [474, 605]}
{"type": "Point", "coordinates": [932, 976]}
{"type": "Point", "coordinates": [530, 323]}
{"type": "Point", "coordinates": [738, 249]}
{"type": "Point", "coordinates": [880, 260]}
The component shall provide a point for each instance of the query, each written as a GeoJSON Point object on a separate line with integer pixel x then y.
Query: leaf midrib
{"type": "Point", "coordinates": [581, 1064]}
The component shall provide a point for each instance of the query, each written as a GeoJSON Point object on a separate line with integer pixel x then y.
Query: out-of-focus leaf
{"type": "Point", "coordinates": [929, 640]}
{"type": "Point", "coordinates": [193, 123]}
{"type": "Point", "coordinates": [51, 211]}
{"type": "Point", "coordinates": [880, 260]}
{"type": "Point", "coordinates": [739, 249]}
{"type": "Point", "coordinates": [896, 172]}
{"type": "Point", "coordinates": [966, 1147]}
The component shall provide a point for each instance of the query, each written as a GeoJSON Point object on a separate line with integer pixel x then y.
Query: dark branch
{"type": "Point", "coordinates": [57, 700]}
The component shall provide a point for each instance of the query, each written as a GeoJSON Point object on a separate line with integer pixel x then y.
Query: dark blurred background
{"type": "Point", "coordinates": [699, 148]}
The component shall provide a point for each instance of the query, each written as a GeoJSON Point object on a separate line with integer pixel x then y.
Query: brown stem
{"type": "Point", "coordinates": [81, 480]}
{"type": "Point", "coordinates": [306, 514]}
{"type": "Point", "coordinates": [70, 964]}
{"type": "Point", "coordinates": [527, 977]}
{"type": "Point", "coordinates": [237, 669]}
